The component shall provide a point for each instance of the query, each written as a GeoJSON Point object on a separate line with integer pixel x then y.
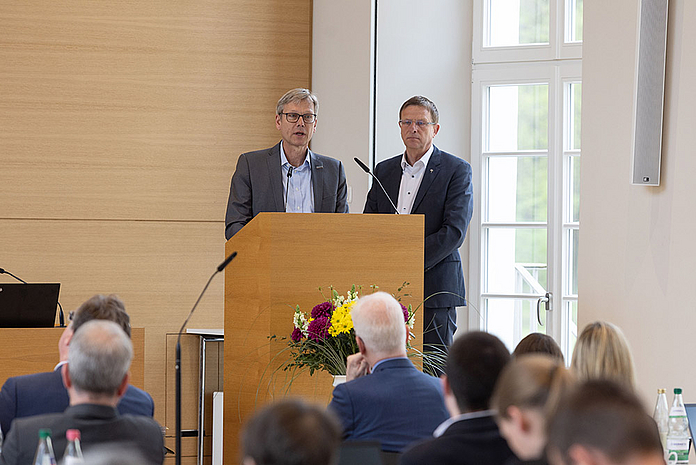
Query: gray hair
{"type": "Point", "coordinates": [297, 95]}
{"type": "Point", "coordinates": [99, 357]}
{"type": "Point", "coordinates": [420, 101]}
{"type": "Point", "coordinates": [379, 321]}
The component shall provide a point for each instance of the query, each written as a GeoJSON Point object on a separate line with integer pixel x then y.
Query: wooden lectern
{"type": "Point", "coordinates": [283, 259]}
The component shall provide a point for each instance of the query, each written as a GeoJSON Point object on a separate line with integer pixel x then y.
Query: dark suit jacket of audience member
{"type": "Point", "coordinates": [39, 393]}
{"type": "Point", "coordinates": [474, 441]}
{"type": "Point", "coordinates": [98, 425]}
{"type": "Point", "coordinates": [396, 405]}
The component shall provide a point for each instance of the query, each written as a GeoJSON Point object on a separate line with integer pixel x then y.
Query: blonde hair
{"type": "Point", "coordinates": [535, 381]}
{"type": "Point", "coordinates": [602, 352]}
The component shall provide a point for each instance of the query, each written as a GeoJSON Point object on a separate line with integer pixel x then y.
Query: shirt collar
{"type": "Point", "coordinates": [286, 164]}
{"type": "Point", "coordinates": [425, 159]}
{"type": "Point", "coordinates": [385, 360]}
{"type": "Point", "coordinates": [440, 430]}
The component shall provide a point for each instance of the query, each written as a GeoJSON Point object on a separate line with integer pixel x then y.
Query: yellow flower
{"type": "Point", "coordinates": [341, 321]}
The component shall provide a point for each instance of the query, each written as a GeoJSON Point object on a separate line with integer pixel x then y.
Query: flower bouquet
{"type": "Point", "coordinates": [324, 339]}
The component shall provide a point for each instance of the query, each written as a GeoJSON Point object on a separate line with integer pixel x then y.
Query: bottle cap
{"type": "Point", "coordinates": [72, 434]}
{"type": "Point", "coordinates": [677, 390]}
{"type": "Point", "coordinates": [44, 433]}
{"type": "Point", "coordinates": [661, 391]}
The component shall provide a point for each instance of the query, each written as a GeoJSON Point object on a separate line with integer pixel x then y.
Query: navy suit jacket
{"type": "Point", "coordinates": [396, 405]}
{"type": "Point", "coordinates": [257, 186]}
{"type": "Point", "coordinates": [474, 441]}
{"type": "Point", "coordinates": [39, 393]}
{"type": "Point", "coordinates": [445, 197]}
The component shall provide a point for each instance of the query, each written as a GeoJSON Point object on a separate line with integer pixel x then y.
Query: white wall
{"type": "Point", "coordinates": [637, 247]}
{"type": "Point", "coordinates": [342, 77]}
{"type": "Point", "coordinates": [422, 48]}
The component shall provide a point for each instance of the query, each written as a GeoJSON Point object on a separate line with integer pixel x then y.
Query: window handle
{"type": "Point", "coordinates": [547, 303]}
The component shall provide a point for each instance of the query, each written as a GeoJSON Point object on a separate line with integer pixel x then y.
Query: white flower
{"type": "Point", "coordinates": [300, 321]}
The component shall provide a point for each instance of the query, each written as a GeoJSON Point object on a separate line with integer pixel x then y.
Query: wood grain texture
{"type": "Point", "coordinates": [26, 351]}
{"type": "Point", "coordinates": [327, 250]}
{"type": "Point", "coordinates": [138, 110]}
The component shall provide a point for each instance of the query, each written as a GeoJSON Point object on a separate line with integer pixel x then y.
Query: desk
{"type": "Point", "coordinates": [206, 336]}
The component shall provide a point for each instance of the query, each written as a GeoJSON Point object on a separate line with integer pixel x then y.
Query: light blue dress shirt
{"type": "Point", "coordinates": [297, 188]}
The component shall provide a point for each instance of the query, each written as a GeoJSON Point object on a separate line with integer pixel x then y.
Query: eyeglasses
{"type": "Point", "coordinates": [293, 117]}
{"type": "Point", "coordinates": [406, 123]}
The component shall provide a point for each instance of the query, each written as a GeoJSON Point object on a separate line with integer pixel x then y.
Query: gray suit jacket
{"type": "Point", "coordinates": [98, 425]}
{"type": "Point", "coordinates": [257, 186]}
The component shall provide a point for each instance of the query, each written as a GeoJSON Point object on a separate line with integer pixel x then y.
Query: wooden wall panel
{"type": "Point", "coordinates": [138, 110]}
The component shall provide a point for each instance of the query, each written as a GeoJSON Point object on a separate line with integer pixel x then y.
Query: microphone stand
{"type": "Point", "coordinates": [367, 170]}
{"type": "Point", "coordinates": [177, 363]}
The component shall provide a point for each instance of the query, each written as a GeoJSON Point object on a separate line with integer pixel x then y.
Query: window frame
{"type": "Point", "coordinates": [557, 73]}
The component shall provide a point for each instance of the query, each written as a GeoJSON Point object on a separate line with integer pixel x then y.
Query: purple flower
{"type": "Point", "coordinates": [296, 335]}
{"type": "Point", "coordinates": [323, 309]}
{"type": "Point", "coordinates": [319, 328]}
{"type": "Point", "coordinates": [405, 310]}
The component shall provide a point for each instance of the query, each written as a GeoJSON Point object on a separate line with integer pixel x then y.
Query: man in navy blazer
{"type": "Point", "coordinates": [287, 177]}
{"type": "Point", "coordinates": [425, 180]}
{"type": "Point", "coordinates": [471, 435]}
{"type": "Point", "coordinates": [385, 398]}
{"type": "Point", "coordinates": [39, 393]}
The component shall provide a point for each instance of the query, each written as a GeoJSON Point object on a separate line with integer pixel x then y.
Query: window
{"type": "Point", "coordinates": [526, 155]}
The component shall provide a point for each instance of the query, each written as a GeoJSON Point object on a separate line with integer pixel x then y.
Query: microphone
{"type": "Point", "coordinates": [227, 261]}
{"type": "Point", "coordinates": [4, 271]}
{"type": "Point", "coordinates": [367, 170]}
{"type": "Point", "coordinates": [177, 365]}
{"type": "Point", "coordinates": [287, 187]}
{"type": "Point", "coordinates": [61, 315]}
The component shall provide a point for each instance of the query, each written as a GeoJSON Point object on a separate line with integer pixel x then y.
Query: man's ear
{"type": "Point", "coordinates": [123, 386]}
{"type": "Point", "coordinates": [446, 388]}
{"type": "Point", "coordinates": [361, 344]}
{"type": "Point", "coordinates": [65, 374]}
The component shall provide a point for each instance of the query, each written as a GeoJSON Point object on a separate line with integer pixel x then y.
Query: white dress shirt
{"type": "Point", "coordinates": [411, 178]}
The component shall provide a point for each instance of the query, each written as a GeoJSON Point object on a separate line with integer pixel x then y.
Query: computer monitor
{"type": "Point", "coordinates": [28, 305]}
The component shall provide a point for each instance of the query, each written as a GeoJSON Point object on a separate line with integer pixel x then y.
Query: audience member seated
{"type": "Point", "coordinates": [23, 396]}
{"type": "Point", "coordinates": [603, 422]}
{"type": "Point", "coordinates": [525, 397]}
{"type": "Point", "coordinates": [291, 432]}
{"type": "Point", "coordinates": [385, 397]}
{"type": "Point", "coordinates": [602, 352]}
{"type": "Point", "coordinates": [96, 376]}
{"type": "Point", "coordinates": [471, 435]}
{"type": "Point", "coordinates": [541, 343]}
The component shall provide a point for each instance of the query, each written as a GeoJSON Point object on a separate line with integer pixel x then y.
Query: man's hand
{"type": "Point", "coordinates": [356, 366]}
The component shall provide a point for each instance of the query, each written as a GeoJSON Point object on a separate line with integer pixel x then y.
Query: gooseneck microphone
{"type": "Point", "coordinates": [177, 366]}
{"type": "Point", "coordinates": [4, 271]}
{"type": "Point", "coordinates": [287, 187]}
{"type": "Point", "coordinates": [61, 314]}
{"type": "Point", "coordinates": [367, 170]}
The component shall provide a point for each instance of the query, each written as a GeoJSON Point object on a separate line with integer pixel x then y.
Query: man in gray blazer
{"type": "Point", "coordinates": [287, 177]}
{"type": "Point", "coordinates": [96, 376]}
